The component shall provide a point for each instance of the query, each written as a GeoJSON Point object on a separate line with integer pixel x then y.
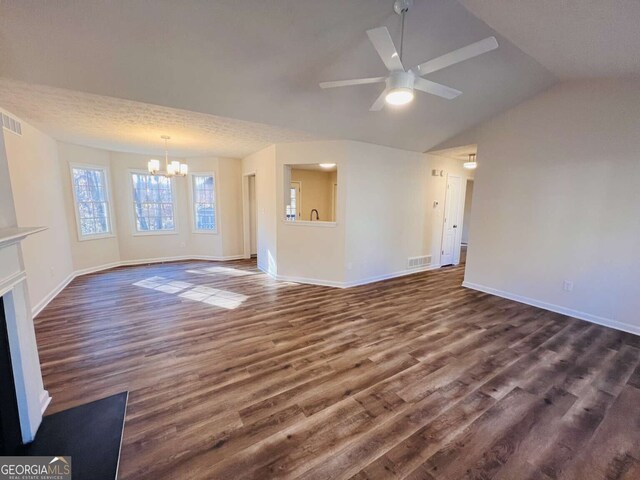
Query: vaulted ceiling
{"type": "Point", "coordinates": [255, 61]}
{"type": "Point", "coordinates": [572, 38]}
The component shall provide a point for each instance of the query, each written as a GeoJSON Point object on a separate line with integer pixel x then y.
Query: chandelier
{"type": "Point", "coordinates": [172, 169]}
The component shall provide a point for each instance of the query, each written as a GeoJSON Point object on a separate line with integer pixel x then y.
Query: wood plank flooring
{"type": "Point", "coordinates": [233, 375]}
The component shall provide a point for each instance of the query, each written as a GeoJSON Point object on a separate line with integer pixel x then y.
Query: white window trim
{"type": "Point", "coordinates": [192, 212]}
{"type": "Point", "coordinates": [132, 211]}
{"type": "Point", "coordinates": [107, 188]}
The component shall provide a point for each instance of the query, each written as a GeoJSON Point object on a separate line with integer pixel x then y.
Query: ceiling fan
{"type": "Point", "coordinates": [401, 83]}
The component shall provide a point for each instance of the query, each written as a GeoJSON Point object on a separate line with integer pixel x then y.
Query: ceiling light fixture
{"type": "Point", "coordinates": [402, 83]}
{"type": "Point", "coordinates": [471, 164]}
{"type": "Point", "coordinates": [327, 165]}
{"type": "Point", "coordinates": [173, 169]}
{"type": "Point", "coordinates": [400, 86]}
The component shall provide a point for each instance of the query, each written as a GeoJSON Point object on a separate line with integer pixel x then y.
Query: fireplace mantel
{"type": "Point", "coordinates": [31, 396]}
{"type": "Point", "coordinates": [12, 235]}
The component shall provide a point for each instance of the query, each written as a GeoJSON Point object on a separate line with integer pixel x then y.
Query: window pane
{"type": "Point", "coordinates": [204, 206]}
{"type": "Point", "coordinates": [152, 202]}
{"type": "Point", "coordinates": [85, 210]}
{"type": "Point", "coordinates": [91, 200]}
{"type": "Point", "coordinates": [101, 225]}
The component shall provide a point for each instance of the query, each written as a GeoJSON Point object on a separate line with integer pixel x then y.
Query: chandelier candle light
{"type": "Point", "coordinates": [173, 169]}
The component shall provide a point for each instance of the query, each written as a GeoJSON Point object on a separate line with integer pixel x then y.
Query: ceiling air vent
{"type": "Point", "coordinates": [11, 124]}
{"type": "Point", "coordinates": [417, 262]}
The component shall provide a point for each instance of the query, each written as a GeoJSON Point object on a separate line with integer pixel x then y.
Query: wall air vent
{"type": "Point", "coordinates": [417, 262]}
{"type": "Point", "coordinates": [11, 124]}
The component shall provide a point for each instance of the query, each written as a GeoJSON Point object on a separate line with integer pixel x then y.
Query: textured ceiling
{"type": "Point", "coordinates": [261, 61]}
{"type": "Point", "coordinates": [123, 125]}
{"type": "Point", "coordinates": [572, 38]}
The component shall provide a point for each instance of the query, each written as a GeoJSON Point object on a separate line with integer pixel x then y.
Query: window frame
{"type": "Point", "coordinates": [107, 191]}
{"type": "Point", "coordinates": [192, 204]}
{"type": "Point", "coordinates": [134, 225]}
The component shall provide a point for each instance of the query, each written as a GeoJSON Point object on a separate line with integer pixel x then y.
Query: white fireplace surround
{"type": "Point", "coordinates": [32, 398]}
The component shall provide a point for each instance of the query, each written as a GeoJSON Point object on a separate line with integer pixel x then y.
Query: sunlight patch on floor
{"type": "Point", "coordinates": [210, 296]}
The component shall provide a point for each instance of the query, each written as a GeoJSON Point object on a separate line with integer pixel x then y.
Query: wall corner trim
{"type": "Point", "coordinates": [45, 400]}
{"type": "Point", "coordinates": [605, 322]}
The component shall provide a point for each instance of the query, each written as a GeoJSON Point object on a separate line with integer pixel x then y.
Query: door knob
{"type": "Point", "coordinates": [455, 226]}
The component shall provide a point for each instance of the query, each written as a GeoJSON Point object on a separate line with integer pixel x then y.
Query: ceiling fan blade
{"type": "Point", "coordinates": [386, 49]}
{"type": "Point", "coordinates": [460, 55]}
{"type": "Point", "coordinates": [379, 103]}
{"type": "Point", "coordinates": [434, 88]}
{"type": "Point", "coordinates": [357, 81]}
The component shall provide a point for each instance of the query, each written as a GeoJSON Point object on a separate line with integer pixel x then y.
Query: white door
{"type": "Point", "coordinates": [451, 216]}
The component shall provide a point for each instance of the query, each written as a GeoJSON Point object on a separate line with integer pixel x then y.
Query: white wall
{"type": "Point", "coordinates": [311, 251]}
{"type": "Point", "coordinates": [40, 188]}
{"type": "Point", "coordinates": [387, 213]}
{"type": "Point", "coordinates": [557, 198]}
{"type": "Point", "coordinates": [467, 212]}
{"type": "Point", "coordinates": [36, 181]}
{"type": "Point", "coordinates": [229, 191]}
{"type": "Point", "coordinates": [92, 252]}
{"type": "Point", "coordinates": [183, 241]}
{"type": "Point", "coordinates": [7, 208]}
{"type": "Point", "coordinates": [31, 396]}
{"type": "Point", "coordinates": [263, 164]}
{"type": "Point", "coordinates": [437, 190]}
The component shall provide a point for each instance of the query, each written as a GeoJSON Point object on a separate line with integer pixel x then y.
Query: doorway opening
{"type": "Point", "coordinates": [451, 231]}
{"type": "Point", "coordinates": [250, 215]}
{"type": "Point", "coordinates": [253, 233]}
{"type": "Point", "coordinates": [466, 219]}
{"type": "Point", "coordinates": [456, 201]}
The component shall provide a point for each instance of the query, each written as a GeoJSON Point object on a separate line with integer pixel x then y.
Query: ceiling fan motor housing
{"type": "Point", "coordinates": [402, 6]}
{"type": "Point", "coordinates": [400, 80]}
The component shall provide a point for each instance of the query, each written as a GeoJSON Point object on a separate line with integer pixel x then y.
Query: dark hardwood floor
{"type": "Point", "coordinates": [233, 375]}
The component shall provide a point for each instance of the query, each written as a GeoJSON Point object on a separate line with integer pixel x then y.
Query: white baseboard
{"type": "Point", "coordinates": [605, 322]}
{"type": "Point", "coordinates": [145, 261]}
{"type": "Point", "coordinates": [352, 283]}
{"type": "Point", "coordinates": [45, 400]}
{"type": "Point", "coordinates": [387, 276]}
{"type": "Point", "coordinates": [307, 281]}
{"type": "Point", "coordinates": [36, 309]}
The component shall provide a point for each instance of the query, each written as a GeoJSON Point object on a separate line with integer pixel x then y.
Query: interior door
{"type": "Point", "coordinates": [451, 216]}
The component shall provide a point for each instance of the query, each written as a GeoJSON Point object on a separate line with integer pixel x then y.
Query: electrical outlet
{"type": "Point", "coordinates": [567, 286]}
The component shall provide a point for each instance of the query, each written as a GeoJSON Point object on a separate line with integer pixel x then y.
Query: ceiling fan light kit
{"type": "Point", "coordinates": [399, 88]}
{"type": "Point", "coordinates": [400, 82]}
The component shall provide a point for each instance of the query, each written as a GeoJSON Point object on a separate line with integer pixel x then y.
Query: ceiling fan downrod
{"type": "Point", "coordinates": [401, 7]}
